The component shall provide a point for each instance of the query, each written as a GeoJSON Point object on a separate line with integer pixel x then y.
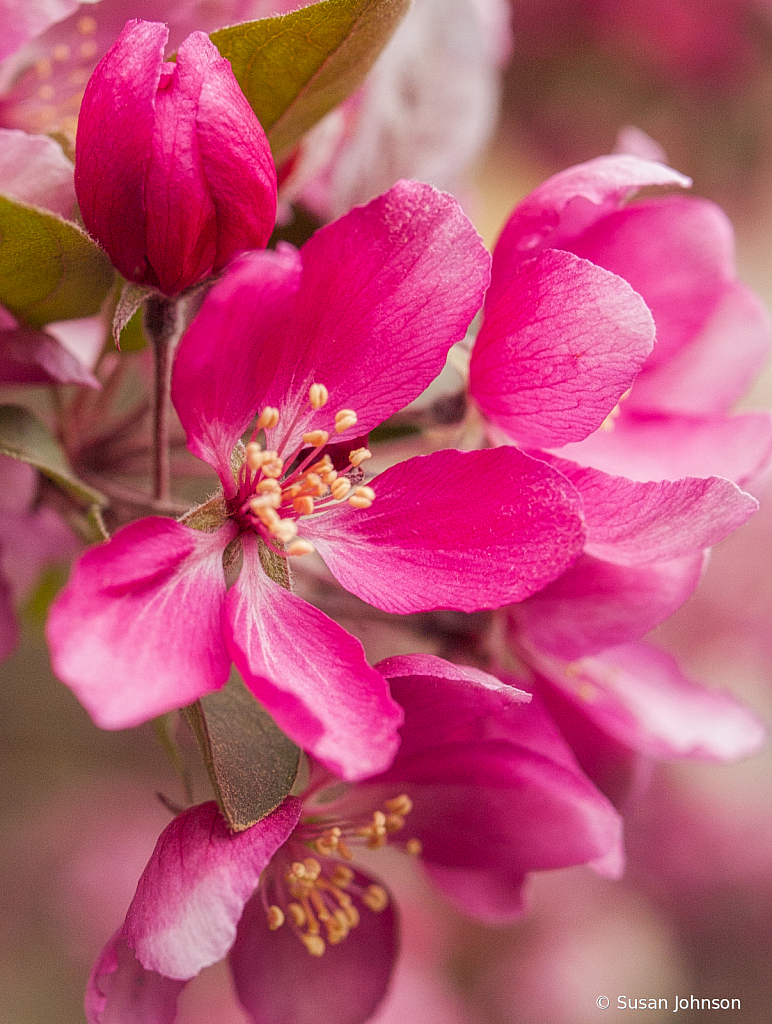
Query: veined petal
{"type": "Point", "coordinates": [462, 530]}
{"type": "Point", "coordinates": [568, 203]}
{"type": "Point", "coordinates": [192, 893]}
{"type": "Point", "coordinates": [495, 897]}
{"type": "Point", "coordinates": [558, 348]}
{"type": "Point", "coordinates": [631, 523]}
{"type": "Point", "coordinates": [121, 991]}
{"type": "Point", "coordinates": [386, 290]}
{"type": "Point", "coordinates": [29, 356]}
{"type": "Point", "coordinates": [136, 632]}
{"type": "Point", "coordinates": [594, 604]}
{"type": "Point", "coordinates": [668, 447]}
{"type": "Point", "coordinates": [233, 342]}
{"type": "Point", "coordinates": [119, 103]}
{"type": "Point", "coordinates": [310, 674]}
{"type": "Point", "coordinates": [638, 694]}
{"type": "Point", "coordinates": [278, 982]}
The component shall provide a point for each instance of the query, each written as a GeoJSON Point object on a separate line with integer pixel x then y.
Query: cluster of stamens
{"type": "Point", "coordinates": [279, 498]}
{"type": "Point", "coordinates": [319, 892]}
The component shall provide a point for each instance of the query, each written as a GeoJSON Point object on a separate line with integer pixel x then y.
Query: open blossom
{"type": "Point", "coordinates": [322, 345]}
{"type": "Point", "coordinates": [173, 171]}
{"type": "Point", "coordinates": [484, 793]}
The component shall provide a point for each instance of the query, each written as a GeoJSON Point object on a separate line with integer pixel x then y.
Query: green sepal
{"type": "Point", "coordinates": [23, 436]}
{"type": "Point", "coordinates": [49, 267]}
{"type": "Point", "coordinates": [252, 765]}
{"type": "Point", "coordinates": [295, 68]}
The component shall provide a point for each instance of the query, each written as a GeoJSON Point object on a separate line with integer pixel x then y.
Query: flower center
{"type": "Point", "coordinates": [317, 896]}
{"type": "Point", "coordinates": [276, 491]}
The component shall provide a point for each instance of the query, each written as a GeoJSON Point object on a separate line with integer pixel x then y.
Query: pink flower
{"type": "Point", "coordinates": [320, 343]}
{"type": "Point", "coordinates": [486, 791]}
{"type": "Point", "coordinates": [173, 172]}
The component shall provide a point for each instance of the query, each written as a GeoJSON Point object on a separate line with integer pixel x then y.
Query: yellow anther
{"type": "Point", "coordinates": [344, 420]}
{"type": "Point", "coordinates": [344, 851]}
{"type": "Point", "coordinates": [273, 467]}
{"type": "Point", "coordinates": [268, 516]}
{"type": "Point", "coordinates": [61, 52]}
{"type": "Point", "coordinates": [352, 914]}
{"type": "Point", "coordinates": [340, 488]}
{"type": "Point", "coordinates": [304, 505]}
{"type": "Point", "coordinates": [376, 898]}
{"type": "Point", "coordinates": [358, 456]}
{"type": "Point", "coordinates": [316, 437]}
{"type": "Point", "coordinates": [401, 804]}
{"type": "Point", "coordinates": [342, 875]}
{"type": "Point", "coordinates": [87, 25]}
{"type": "Point", "coordinates": [414, 847]}
{"type": "Point", "coordinates": [268, 418]}
{"type": "Point", "coordinates": [394, 822]}
{"type": "Point", "coordinates": [297, 870]}
{"type": "Point", "coordinates": [363, 497]}
{"type": "Point", "coordinates": [255, 456]}
{"type": "Point", "coordinates": [314, 944]}
{"type": "Point", "coordinates": [285, 530]}
{"type": "Point", "coordinates": [270, 500]}
{"type": "Point", "coordinates": [299, 547]}
{"type": "Point", "coordinates": [268, 487]}
{"type": "Point", "coordinates": [275, 917]}
{"type": "Point", "coordinates": [314, 484]}
{"type": "Point", "coordinates": [297, 914]}
{"type": "Point", "coordinates": [318, 396]}
{"type": "Point", "coordinates": [329, 476]}
{"type": "Point", "coordinates": [313, 868]}
{"type": "Point", "coordinates": [379, 819]}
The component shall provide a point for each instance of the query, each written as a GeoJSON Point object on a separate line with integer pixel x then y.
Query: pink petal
{"type": "Point", "coordinates": [310, 674]}
{"type": "Point", "coordinates": [136, 632]}
{"type": "Point", "coordinates": [22, 22]}
{"type": "Point", "coordinates": [278, 982]}
{"type": "Point", "coordinates": [594, 604]}
{"type": "Point", "coordinates": [559, 346]}
{"type": "Point", "coordinates": [119, 105]}
{"type": "Point", "coordinates": [568, 203]}
{"type": "Point", "coordinates": [192, 893]}
{"type": "Point", "coordinates": [632, 523]}
{"type": "Point", "coordinates": [497, 898]}
{"type": "Point", "coordinates": [638, 694]}
{"type": "Point", "coordinates": [668, 447]}
{"type": "Point", "coordinates": [121, 991]}
{"type": "Point", "coordinates": [463, 530]}
{"type": "Point", "coordinates": [386, 290]}
{"type": "Point", "coordinates": [34, 170]}
{"type": "Point", "coordinates": [236, 332]}
{"type": "Point", "coordinates": [28, 356]}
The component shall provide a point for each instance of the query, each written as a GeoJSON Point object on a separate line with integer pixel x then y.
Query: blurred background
{"type": "Point", "coordinates": [693, 914]}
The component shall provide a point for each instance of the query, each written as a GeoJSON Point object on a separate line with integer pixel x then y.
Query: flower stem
{"type": "Point", "coordinates": [163, 327]}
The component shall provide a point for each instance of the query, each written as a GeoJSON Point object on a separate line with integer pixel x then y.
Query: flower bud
{"type": "Point", "coordinates": [173, 171]}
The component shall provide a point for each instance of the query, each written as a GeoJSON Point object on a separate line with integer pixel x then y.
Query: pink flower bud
{"type": "Point", "coordinates": [173, 171]}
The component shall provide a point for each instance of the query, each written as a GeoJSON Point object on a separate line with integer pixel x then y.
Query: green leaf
{"type": "Point", "coordinates": [296, 67]}
{"type": "Point", "coordinates": [251, 763]}
{"type": "Point", "coordinates": [49, 268]}
{"type": "Point", "coordinates": [25, 437]}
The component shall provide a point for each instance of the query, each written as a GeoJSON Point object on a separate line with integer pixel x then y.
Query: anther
{"type": "Point", "coordinates": [285, 530]}
{"type": "Point", "coordinates": [269, 500]}
{"type": "Point", "coordinates": [318, 396]}
{"type": "Point", "coordinates": [299, 547]}
{"type": "Point", "coordinates": [340, 488]}
{"type": "Point", "coordinates": [314, 944]}
{"type": "Point", "coordinates": [275, 917]}
{"type": "Point", "coordinates": [304, 505]}
{"type": "Point", "coordinates": [401, 804]}
{"type": "Point", "coordinates": [394, 822]}
{"type": "Point", "coordinates": [316, 437]}
{"type": "Point", "coordinates": [314, 482]}
{"type": "Point", "coordinates": [313, 868]}
{"type": "Point", "coordinates": [358, 456]}
{"type": "Point", "coordinates": [268, 486]}
{"type": "Point", "coordinates": [375, 898]}
{"type": "Point", "coordinates": [344, 419]}
{"type": "Point", "coordinates": [268, 418]}
{"type": "Point", "coordinates": [363, 497]}
{"type": "Point", "coordinates": [342, 875]}
{"type": "Point", "coordinates": [273, 466]}
{"type": "Point", "coordinates": [255, 456]}
{"type": "Point", "coordinates": [297, 869]}
{"type": "Point", "coordinates": [297, 914]}
{"type": "Point", "coordinates": [414, 847]}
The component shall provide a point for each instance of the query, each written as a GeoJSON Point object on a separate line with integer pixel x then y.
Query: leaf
{"type": "Point", "coordinates": [251, 763]}
{"type": "Point", "coordinates": [296, 67]}
{"type": "Point", "coordinates": [49, 268]}
{"type": "Point", "coordinates": [25, 437]}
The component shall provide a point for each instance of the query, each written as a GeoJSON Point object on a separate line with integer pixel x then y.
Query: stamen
{"type": "Point", "coordinates": [363, 497]}
{"type": "Point", "coordinates": [275, 917]}
{"type": "Point", "coordinates": [318, 396]}
{"type": "Point", "coordinates": [273, 466]}
{"type": "Point", "coordinates": [375, 898]}
{"type": "Point", "coordinates": [340, 488]}
{"type": "Point", "coordinates": [304, 506]}
{"type": "Point", "coordinates": [269, 500]}
{"type": "Point", "coordinates": [342, 875]}
{"type": "Point", "coordinates": [344, 419]}
{"type": "Point", "coordinates": [268, 418]}
{"type": "Point", "coordinates": [297, 914]}
{"type": "Point", "coordinates": [268, 486]}
{"type": "Point", "coordinates": [401, 804]}
{"type": "Point", "coordinates": [317, 438]}
{"type": "Point", "coordinates": [358, 456]}
{"type": "Point", "coordinates": [314, 944]}
{"type": "Point", "coordinates": [299, 547]}
{"type": "Point", "coordinates": [285, 530]}
{"type": "Point", "coordinates": [414, 847]}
